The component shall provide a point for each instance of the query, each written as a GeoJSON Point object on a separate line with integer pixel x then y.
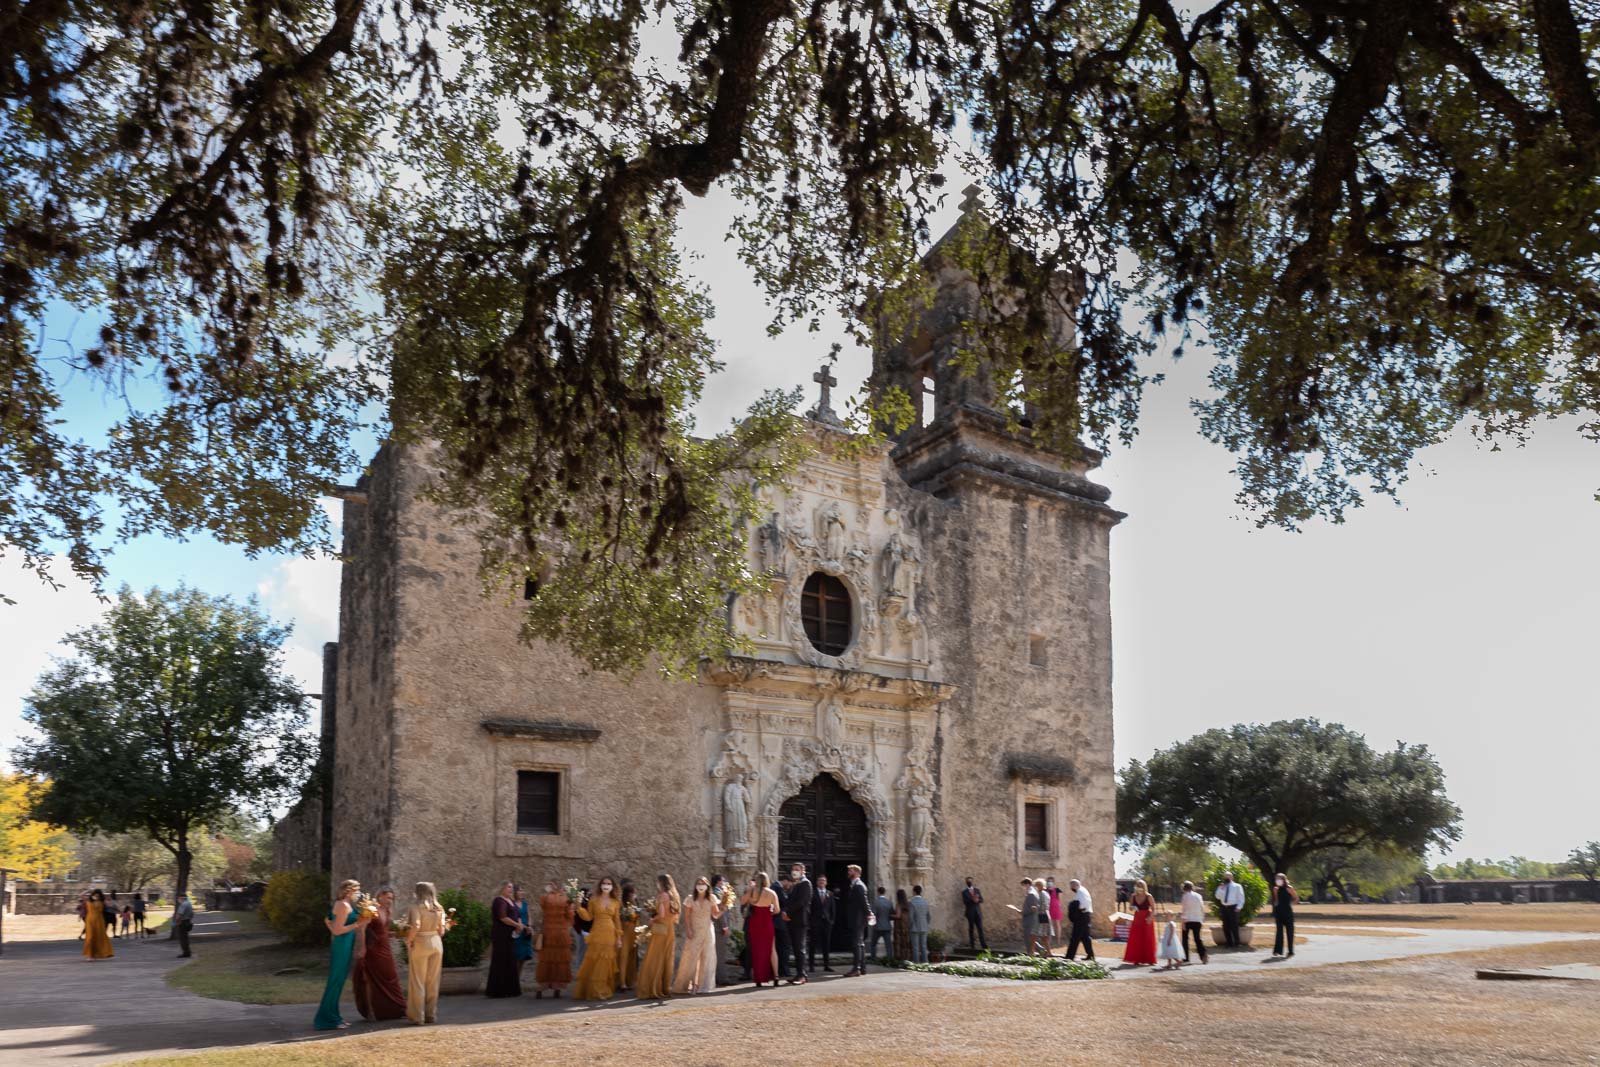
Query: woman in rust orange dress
{"type": "Point", "coordinates": [376, 982]}
{"type": "Point", "coordinates": [554, 943]}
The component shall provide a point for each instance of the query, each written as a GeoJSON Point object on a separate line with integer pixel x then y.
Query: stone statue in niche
{"type": "Point", "coordinates": [833, 732]}
{"type": "Point", "coordinates": [919, 822]}
{"type": "Point", "coordinates": [736, 814]}
{"type": "Point", "coordinates": [831, 523]}
{"type": "Point", "coordinates": [770, 546]}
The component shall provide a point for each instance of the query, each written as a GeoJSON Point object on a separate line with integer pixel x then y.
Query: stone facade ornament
{"type": "Point", "coordinates": [831, 533]}
{"type": "Point", "coordinates": [919, 828]}
{"type": "Point", "coordinates": [736, 802]}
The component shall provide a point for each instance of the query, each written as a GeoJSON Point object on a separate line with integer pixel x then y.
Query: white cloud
{"type": "Point", "coordinates": [304, 591]}
{"type": "Point", "coordinates": [31, 631]}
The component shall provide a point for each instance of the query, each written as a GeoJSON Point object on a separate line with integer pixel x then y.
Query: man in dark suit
{"type": "Point", "coordinates": [972, 907]}
{"type": "Point", "coordinates": [822, 912]}
{"type": "Point", "coordinates": [857, 906]}
{"type": "Point", "coordinates": [780, 929]}
{"type": "Point", "coordinates": [796, 915]}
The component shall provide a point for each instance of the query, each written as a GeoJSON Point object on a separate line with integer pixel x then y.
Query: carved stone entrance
{"type": "Point", "coordinates": [822, 827]}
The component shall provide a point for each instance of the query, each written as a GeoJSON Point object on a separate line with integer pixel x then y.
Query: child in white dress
{"type": "Point", "coordinates": [1168, 948]}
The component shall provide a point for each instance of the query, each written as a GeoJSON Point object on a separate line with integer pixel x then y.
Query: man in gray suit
{"type": "Point", "coordinates": [919, 926]}
{"type": "Point", "coordinates": [1030, 916]}
{"type": "Point", "coordinates": [881, 910]}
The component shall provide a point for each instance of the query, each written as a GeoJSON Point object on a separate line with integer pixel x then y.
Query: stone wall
{"type": "Point", "coordinates": [362, 786]}
{"type": "Point", "coordinates": [1019, 571]}
{"type": "Point", "coordinates": [297, 837]}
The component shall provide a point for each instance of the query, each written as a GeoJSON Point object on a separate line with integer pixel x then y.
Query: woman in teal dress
{"type": "Point", "coordinates": [342, 922]}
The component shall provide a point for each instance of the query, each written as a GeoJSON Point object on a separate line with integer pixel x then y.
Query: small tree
{"type": "Point", "coordinates": [35, 849]}
{"type": "Point", "coordinates": [1585, 860]}
{"type": "Point", "coordinates": [295, 904]}
{"type": "Point", "coordinates": [173, 713]}
{"type": "Point", "coordinates": [1171, 860]}
{"type": "Point", "coordinates": [1283, 791]}
{"type": "Point", "coordinates": [1255, 887]}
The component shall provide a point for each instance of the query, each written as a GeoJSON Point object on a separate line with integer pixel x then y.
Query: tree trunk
{"type": "Point", "coordinates": [185, 862]}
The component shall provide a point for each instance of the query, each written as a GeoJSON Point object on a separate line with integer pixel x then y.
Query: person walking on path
{"type": "Point", "coordinates": [425, 930]}
{"type": "Point", "coordinates": [1193, 911]}
{"type": "Point", "coordinates": [554, 969]}
{"type": "Point", "coordinates": [1230, 898]}
{"type": "Point", "coordinates": [344, 924]}
{"type": "Point", "coordinates": [1167, 949]}
{"type": "Point", "coordinates": [857, 911]}
{"type": "Point", "coordinates": [823, 910]}
{"type": "Point", "coordinates": [1080, 915]}
{"type": "Point", "coordinates": [1284, 897]}
{"type": "Point", "coordinates": [972, 907]}
{"type": "Point", "coordinates": [96, 941]}
{"type": "Point", "coordinates": [182, 923]}
{"type": "Point", "coordinates": [1141, 947]}
{"type": "Point", "coordinates": [138, 915]}
{"type": "Point", "coordinates": [919, 926]}
{"type": "Point", "coordinates": [1053, 891]}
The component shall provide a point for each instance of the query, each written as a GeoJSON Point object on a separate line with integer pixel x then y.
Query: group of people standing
{"type": "Point", "coordinates": [361, 952]}
{"type": "Point", "coordinates": [1143, 947]}
{"type": "Point", "coordinates": [101, 918]}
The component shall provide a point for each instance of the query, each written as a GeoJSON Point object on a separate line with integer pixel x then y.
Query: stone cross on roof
{"type": "Point", "coordinates": [824, 412]}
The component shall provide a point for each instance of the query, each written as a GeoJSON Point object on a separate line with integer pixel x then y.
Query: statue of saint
{"type": "Point", "coordinates": [736, 815]}
{"type": "Point", "coordinates": [833, 533]}
{"type": "Point", "coordinates": [919, 818]}
{"type": "Point", "coordinates": [893, 557]}
{"type": "Point", "coordinates": [769, 545]}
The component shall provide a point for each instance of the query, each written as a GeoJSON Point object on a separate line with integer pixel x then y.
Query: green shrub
{"type": "Point", "coordinates": [736, 943]}
{"type": "Point", "coordinates": [1255, 887]}
{"type": "Point", "coordinates": [295, 905]}
{"type": "Point", "coordinates": [465, 945]}
{"type": "Point", "coordinates": [938, 941]}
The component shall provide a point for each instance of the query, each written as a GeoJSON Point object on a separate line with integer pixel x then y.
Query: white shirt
{"type": "Point", "coordinates": [1085, 902]}
{"type": "Point", "coordinates": [1194, 907]}
{"type": "Point", "coordinates": [1231, 893]}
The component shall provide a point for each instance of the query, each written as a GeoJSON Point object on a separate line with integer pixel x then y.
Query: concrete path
{"type": "Point", "coordinates": [56, 1007]}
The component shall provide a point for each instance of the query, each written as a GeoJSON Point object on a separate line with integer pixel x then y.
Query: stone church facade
{"type": "Point", "coordinates": [926, 691]}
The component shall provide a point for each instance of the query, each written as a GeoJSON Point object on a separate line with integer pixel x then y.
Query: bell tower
{"type": "Point", "coordinates": [1017, 597]}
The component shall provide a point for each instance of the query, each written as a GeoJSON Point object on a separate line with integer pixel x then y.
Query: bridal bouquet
{"type": "Point", "coordinates": [573, 890]}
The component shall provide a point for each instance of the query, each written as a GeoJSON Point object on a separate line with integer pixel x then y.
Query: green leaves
{"type": "Point", "coordinates": [172, 714]}
{"type": "Point", "coordinates": [1284, 791]}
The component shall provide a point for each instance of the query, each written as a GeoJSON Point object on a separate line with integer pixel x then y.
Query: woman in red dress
{"type": "Point", "coordinates": [377, 983]}
{"type": "Point", "coordinates": [763, 903]}
{"type": "Point", "coordinates": [1142, 934]}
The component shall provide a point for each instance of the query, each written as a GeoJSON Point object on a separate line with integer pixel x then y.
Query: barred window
{"type": "Point", "coordinates": [538, 802]}
{"type": "Point", "coordinates": [825, 611]}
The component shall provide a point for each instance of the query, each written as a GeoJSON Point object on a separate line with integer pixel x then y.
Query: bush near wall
{"type": "Point", "coordinates": [1255, 887]}
{"type": "Point", "coordinates": [466, 943]}
{"type": "Point", "coordinates": [295, 905]}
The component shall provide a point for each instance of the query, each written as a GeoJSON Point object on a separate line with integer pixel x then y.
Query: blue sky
{"type": "Point", "coordinates": [1462, 619]}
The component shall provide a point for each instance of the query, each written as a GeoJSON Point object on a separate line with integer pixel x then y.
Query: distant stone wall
{"type": "Point", "coordinates": [297, 837]}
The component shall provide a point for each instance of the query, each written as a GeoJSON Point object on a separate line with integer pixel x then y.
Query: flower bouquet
{"type": "Point", "coordinates": [729, 900]}
{"type": "Point", "coordinates": [366, 907]}
{"type": "Point", "coordinates": [642, 934]}
{"type": "Point", "coordinates": [630, 912]}
{"type": "Point", "coordinates": [448, 923]}
{"type": "Point", "coordinates": [649, 907]}
{"type": "Point", "coordinates": [400, 927]}
{"type": "Point", "coordinates": [573, 890]}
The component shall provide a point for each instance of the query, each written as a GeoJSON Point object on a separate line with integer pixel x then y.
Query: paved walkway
{"type": "Point", "coordinates": [46, 985]}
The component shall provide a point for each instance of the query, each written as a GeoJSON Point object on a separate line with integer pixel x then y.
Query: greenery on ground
{"type": "Point", "coordinates": [247, 971]}
{"type": "Point", "coordinates": [1014, 967]}
{"type": "Point", "coordinates": [466, 943]}
{"type": "Point", "coordinates": [173, 713]}
{"type": "Point", "coordinates": [295, 904]}
{"type": "Point", "coordinates": [1380, 213]}
{"type": "Point", "coordinates": [1282, 792]}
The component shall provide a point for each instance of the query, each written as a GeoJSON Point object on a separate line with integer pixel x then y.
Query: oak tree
{"type": "Point", "coordinates": [1380, 215]}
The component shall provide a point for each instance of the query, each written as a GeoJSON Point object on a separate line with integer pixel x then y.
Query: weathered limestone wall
{"type": "Point", "coordinates": [297, 837]}
{"type": "Point", "coordinates": [633, 796]}
{"type": "Point", "coordinates": [1011, 561]}
{"type": "Point", "coordinates": [363, 705]}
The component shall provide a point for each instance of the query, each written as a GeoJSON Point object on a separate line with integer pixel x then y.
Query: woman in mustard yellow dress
{"type": "Point", "coordinates": [96, 945]}
{"type": "Point", "coordinates": [655, 973]}
{"type": "Point", "coordinates": [597, 977]}
{"type": "Point", "coordinates": [628, 962]}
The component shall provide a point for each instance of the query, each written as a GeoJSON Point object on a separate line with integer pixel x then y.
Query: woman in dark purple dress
{"type": "Point", "coordinates": [503, 980]}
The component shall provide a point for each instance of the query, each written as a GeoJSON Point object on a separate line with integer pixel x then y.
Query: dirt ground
{"type": "Point", "coordinates": [1576, 918]}
{"type": "Point", "coordinates": [1428, 1009]}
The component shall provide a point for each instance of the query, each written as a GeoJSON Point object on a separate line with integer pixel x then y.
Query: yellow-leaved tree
{"type": "Point", "coordinates": [34, 849]}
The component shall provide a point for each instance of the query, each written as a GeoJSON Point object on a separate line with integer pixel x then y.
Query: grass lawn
{"type": "Point", "coordinates": [1543, 918]}
{"type": "Point", "coordinates": [242, 963]}
{"type": "Point", "coordinates": [1427, 1009]}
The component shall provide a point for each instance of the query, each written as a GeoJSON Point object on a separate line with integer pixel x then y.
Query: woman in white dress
{"type": "Point", "coordinates": [697, 966]}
